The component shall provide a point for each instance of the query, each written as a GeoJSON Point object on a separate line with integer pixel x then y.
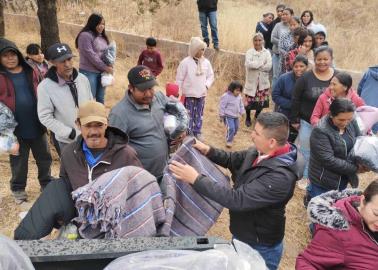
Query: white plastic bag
{"type": "Point", "coordinates": [222, 257]}
{"type": "Point", "coordinates": [9, 143]}
{"type": "Point", "coordinates": [365, 152]}
{"type": "Point", "coordinates": [12, 257]}
{"type": "Point", "coordinates": [107, 79]}
{"type": "Point", "coordinates": [170, 124]}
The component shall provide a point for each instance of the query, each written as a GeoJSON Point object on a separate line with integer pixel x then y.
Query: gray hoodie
{"type": "Point", "coordinates": [56, 106]}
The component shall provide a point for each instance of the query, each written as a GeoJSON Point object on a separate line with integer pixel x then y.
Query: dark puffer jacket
{"type": "Point", "coordinates": [328, 160]}
{"type": "Point", "coordinates": [260, 193]}
{"type": "Point", "coordinates": [207, 5]}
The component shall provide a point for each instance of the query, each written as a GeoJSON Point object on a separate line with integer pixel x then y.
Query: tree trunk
{"type": "Point", "coordinates": [48, 20]}
{"type": "Point", "coordinates": [2, 25]}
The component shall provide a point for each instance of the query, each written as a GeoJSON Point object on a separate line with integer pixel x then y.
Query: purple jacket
{"type": "Point", "coordinates": [230, 105]}
{"type": "Point", "coordinates": [90, 51]}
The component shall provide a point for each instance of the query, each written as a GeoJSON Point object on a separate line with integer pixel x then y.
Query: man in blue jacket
{"type": "Point", "coordinates": [208, 13]}
{"type": "Point", "coordinates": [264, 179]}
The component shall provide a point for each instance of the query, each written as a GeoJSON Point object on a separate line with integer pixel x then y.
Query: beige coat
{"type": "Point", "coordinates": [257, 65]}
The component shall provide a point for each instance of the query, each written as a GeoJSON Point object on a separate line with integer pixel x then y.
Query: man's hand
{"type": "Point", "coordinates": [185, 173]}
{"type": "Point", "coordinates": [179, 139]}
{"type": "Point", "coordinates": [200, 146]}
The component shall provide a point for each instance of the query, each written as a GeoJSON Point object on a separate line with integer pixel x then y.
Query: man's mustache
{"type": "Point", "coordinates": [94, 136]}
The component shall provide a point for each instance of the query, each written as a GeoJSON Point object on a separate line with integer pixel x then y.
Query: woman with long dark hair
{"type": "Point", "coordinates": [330, 143]}
{"type": "Point", "coordinates": [91, 42]}
{"type": "Point", "coordinates": [307, 19]}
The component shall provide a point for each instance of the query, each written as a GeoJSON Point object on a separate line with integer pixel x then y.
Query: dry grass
{"type": "Point", "coordinates": [237, 20]}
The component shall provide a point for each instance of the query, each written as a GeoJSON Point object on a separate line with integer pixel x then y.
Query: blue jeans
{"type": "Point", "coordinates": [271, 254]}
{"type": "Point", "coordinates": [276, 68]}
{"type": "Point", "coordinates": [232, 125]}
{"type": "Point", "coordinates": [98, 91]}
{"type": "Point", "coordinates": [304, 134]}
{"type": "Point", "coordinates": [211, 16]}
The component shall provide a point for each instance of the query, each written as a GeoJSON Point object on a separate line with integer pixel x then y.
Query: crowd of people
{"type": "Point", "coordinates": [306, 140]}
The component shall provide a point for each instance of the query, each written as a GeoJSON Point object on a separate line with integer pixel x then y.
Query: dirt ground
{"type": "Point", "coordinates": [296, 237]}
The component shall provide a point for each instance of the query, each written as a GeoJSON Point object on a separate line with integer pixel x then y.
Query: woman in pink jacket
{"type": "Point", "coordinates": [346, 233]}
{"type": "Point", "coordinates": [340, 87]}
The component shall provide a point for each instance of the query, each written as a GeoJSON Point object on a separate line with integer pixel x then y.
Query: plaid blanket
{"type": "Point", "coordinates": [187, 212]}
{"type": "Point", "coordinates": [125, 202]}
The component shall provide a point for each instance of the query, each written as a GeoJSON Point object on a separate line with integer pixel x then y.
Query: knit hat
{"type": "Point", "coordinates": [172, 89]}
{"type": "Point", "coordinates": [141, 77]}
{"type": "Point", "coordinates": [317, 28]}
{"type": "Point", "coordinates": [92, 111]}
{"type": "Point", "coordinates": [195, 45]}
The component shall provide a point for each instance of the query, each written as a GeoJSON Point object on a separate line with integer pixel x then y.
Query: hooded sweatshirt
{"type": "Point", "coordinates": [324, 101]}
{"type": "Point", "coordinates": [367, 89]}
{"type": "Point", "coordinates": [341, 239]}
{"type": "Point", "coordinates": [117, 154]}
{"type": "Point", "coordinates": [195, 76]}
{"type": "Point", "coordinates": [57, 108]}
{"type": "Point", "coordinates": [22, 101]}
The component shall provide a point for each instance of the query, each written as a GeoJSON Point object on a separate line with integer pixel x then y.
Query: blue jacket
{"type": "Point", "coordinates": [368, 89]}
{"type": "Point", "coordinates": [282, 91]}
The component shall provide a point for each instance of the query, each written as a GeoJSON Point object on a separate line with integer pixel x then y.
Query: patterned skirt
{"type": "Point", "coordinates": [259, 101]}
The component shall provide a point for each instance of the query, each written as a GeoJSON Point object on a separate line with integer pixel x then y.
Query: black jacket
{"type": "Point", "coordinates": [259, 196]}
{"type": "Point", "coordinates": [54, 203]}
{"type": "Point", "coordinates": [328, 160]}
{"type": "Point", "coordinates": [207, 5]}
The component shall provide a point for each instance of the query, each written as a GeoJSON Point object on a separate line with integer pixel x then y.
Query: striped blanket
{"type": "Point", "coordinates": [122, 203]}
{"type": "Point", "coordinates": [187, 212]}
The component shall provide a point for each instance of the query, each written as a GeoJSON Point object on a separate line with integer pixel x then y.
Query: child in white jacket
{"type": "Point", "coordinates": [195, 76]}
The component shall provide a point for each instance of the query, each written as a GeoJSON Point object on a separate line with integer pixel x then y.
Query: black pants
{"type": "Point", "coordinates": [19, 164]}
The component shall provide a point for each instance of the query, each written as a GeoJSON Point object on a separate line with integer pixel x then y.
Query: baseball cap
{"type": "Point", "coordinates": [9, 49]}
{"type": "Point", "coordinates": [141, 77]}
{"type": "Point", "coordinates": [92, 111]}
{"type": "Point", "coordinates": [59, 52]}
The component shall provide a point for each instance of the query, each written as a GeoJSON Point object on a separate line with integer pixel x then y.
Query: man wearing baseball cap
{"type": "Point", "coordinates": [99, 149]}
{"type": "Point", "coordinates": [61, 93]}
{"type": "Point", "coordinates": [140, 114]}
{"type": "Point", "coordinates": [18, 91]}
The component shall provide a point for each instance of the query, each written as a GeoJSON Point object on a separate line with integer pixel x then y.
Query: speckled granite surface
{"type": "Point", "coordinates": [84, 249]}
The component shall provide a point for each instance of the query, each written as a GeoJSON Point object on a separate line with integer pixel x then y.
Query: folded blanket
{"type": "Point", "coordinates": [126, 202]}
{"type": "Point", "coordinates": [187, 212]}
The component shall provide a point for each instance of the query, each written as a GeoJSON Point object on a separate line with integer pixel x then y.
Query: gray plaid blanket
{"type": "Point", "coordinates": [187, 212]}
